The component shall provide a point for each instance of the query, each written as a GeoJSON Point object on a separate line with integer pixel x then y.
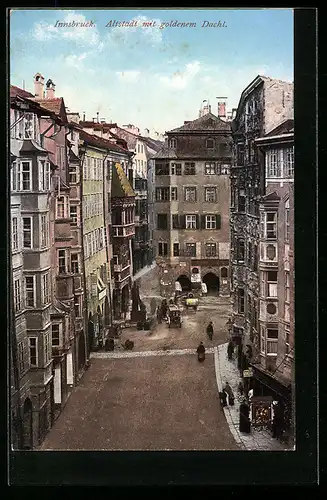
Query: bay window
{"type": "Point", "coordinates": [15, 176]}
{"type": "Point", "coordinates": [47, 347]}
{"type": "Point", "coordinates": [73, 174]}
{"type": "Point", "coordinates": [44, 175]}
{"type": "Point", "coordinates": [27, 232]}
{"type": "Point", "coordinates": [271, 290]}
{"type": "Point", "coordinates": [14, 233]}
{"type": "Point", "coordinates": [55, 335]}
{"type": "Point", "coordinates": [45, 289]}
{"type": "Point", "coordinates": [17, 295]}
{"type": "Point", "coordinates": [287, 287]}
{"type": "Point", "coordinates": [272, 341]}
{"type": "Point", "coordinates": [33, 354]}
{"type": "Point", "coordinates": [62, 261]}
{"type": "Point", "coordinates": [44, 231]}
{"type": "Point", "coordinates": [30, 291]}
{"type": "Point", "coordinates": [268, 225]}
{"type": "Point", "coordinates": [287, 220]}
{"type": "Point", "coordinates": [21, 359]}
{"type": "Point", "coordinates": [289, 162]}
{"type": "Point", "coordinates": [61, 207]}
{"type": "Point", "coordinates": [26, 175]}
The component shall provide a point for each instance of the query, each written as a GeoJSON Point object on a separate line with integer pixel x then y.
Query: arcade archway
{"type": "Point", "coordinates": [212, 282]}
{"type": "Point", "coordinates": [185, 283]}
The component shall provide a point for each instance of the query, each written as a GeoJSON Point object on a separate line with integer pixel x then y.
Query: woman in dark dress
{"type": "Point", "coordinates": [230, 350]}
{"type": "Point", "coordinates": [245, 424]}
{"type": "Point", "coordinates": [201, 352]}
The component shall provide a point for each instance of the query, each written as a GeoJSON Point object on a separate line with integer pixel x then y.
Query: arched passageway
{"type": "Point", "coordinates": [185, 283]}
{"type": "Point", "coordinates": [27, 425]}
{"type": "Point", "coordinates": [212, 282]}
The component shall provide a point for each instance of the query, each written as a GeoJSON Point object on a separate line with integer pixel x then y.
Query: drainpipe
{"type": "Point", "coordinates": [82, 159]}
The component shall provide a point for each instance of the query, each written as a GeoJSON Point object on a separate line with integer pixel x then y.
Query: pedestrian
{"type": "Point", "coordinates": [223, 398]}
{"type": "Point", "coordinates": [210, 330]}
{"type": "Point", "coordinates": [277, 422]}
{"type": "Point", "coordinates": [244, 423]}
{"type": "Point", "coordinates": [201, 352]}
{"type": "Point", "coordinates": [241, 388]}
{"type": "Point", "coordinates": [229, 391]}
{"type": "Point", "coordinates": [230, 350]}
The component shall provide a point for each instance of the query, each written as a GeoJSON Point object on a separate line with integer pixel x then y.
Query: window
{"type": "Point", "coordinates": [241, 202]}
{"type": "Point", "coordinates": [173, 193]}
{"type": "Point", "coordinates": [26, 175]}
{"type": "Point", "coordinates": [225, 169]}
{"type": "Point", "coordinates": [189, 168]}
{"type": "Point", "coordinates": [29, 291]}
{"type": "Point", "coordinates": [273, 164]}
{"type": "Point", "coordinates": [271, 225]}
{"type": "Point", "coordinates": [17, 296]}
{"type": "Point", "coordinates": [47, 347]}
{"type": "Point", "coordinates": [190, 194]}
{"type": "Point", "coordinates": [210, 249]}
{"type": "Point", "coordinates": [45, 288]}
{"type": "Point", "coordinates": [163, 249]}
{"type": "Point", "coordinates": [176, 250]}
{"type": "Point", "coordinates": [240, 250]}
{"type": "Point", "coordinates": [272, 341]}
{"type": "Point", "coordinates": [172, 143]}
{"type": "Point", "coordinates": [287, 220]}
{"type": "Point", "coordinates": [73, 174]}
{"type": "Point", "coordinates": [210, 221]}
{"type": "Point", "coordinates": [44, 175]}
{"type": "Point", "coordinates": [21, 360]}
{"type": "Point", "coordinates": [33, 351]}
{"type": "Point", "coordinates": [190, 221]}
{"type": "Point", "coordinates": [44, 231]}
{"type": "Point", "coordinates": [29, 126]}
{"type": "Point", "coordinates": [287, 286]}
{"type": "Point", "coordinates": [250, 255]}
{"type": "Point", "coordinates": [289, 163]}
{"type": "Point", "coordinates": [73, 215]}
{"type": "Point", "coordinates": [190, 249]}
{"type": "Point", "coordinates": [287, 341]}
{"type": "Point", "coordinates": [61, 207]}
{"type": "Point", "coordinates": [210, 144]}
{"type": "Point", "coordinates": [176, 169]}
{"type": "Point", "coordinates": [162, 221]}
{"type": "Point", "coordinates": [162, 169]}
{"type": "Point", "coordinates": [262, 341]}
{"type": "Point", "coordinates": [162, 194]}
{"type": "Point", "coordinates": [62, 261]}
{"type": "Point", "coordinates": [271, 283]}
{"type": "Point", "coordinates": [240, 300]}
{"type": "Point", "coordinates": [15, 176]}
{"type": "Point", "coordinates": [210, 169]}
{"type": "Point", "coordinates": [176, 221]}
{"type": "Point", "coordinates": [240, 154]}
{"type": "Point", "coordinates": [27, 232]}
{"type": "Point", "coordinates": [14, 231]}
{"type": "Point", "coordinates": [210, 194]}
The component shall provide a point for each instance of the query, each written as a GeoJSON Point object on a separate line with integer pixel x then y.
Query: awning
{"type": "Point", "coordinates": [271, 382]}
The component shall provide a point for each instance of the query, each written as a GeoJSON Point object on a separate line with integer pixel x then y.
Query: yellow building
{"type": "Point", "coordinates": [93, 158]}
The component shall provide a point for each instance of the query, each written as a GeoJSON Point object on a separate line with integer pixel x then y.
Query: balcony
{"type": "Point", "coordinates": [121, 276]}
{"type": "Point", "coordinates": [119, 268]}
{"type": "Point", "coordinates": [123, 231]}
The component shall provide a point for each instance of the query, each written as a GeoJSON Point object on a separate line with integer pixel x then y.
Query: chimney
{"type": "Point", "coordinates": [222, 107]}
{"type": "Point", "coordinates": [84, 116]}
{"type": "Point", "coordinates": [50, 89]}
{"type": "Point", "coordinates": [103, 120]}
{"type": "Point", "coordinates": [39, 85]}
{"type": "Point", "coordinates": [97, 116]}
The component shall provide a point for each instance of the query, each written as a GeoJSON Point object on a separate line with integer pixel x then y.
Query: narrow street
{"type": "Point", "coordinates": [151, 399]}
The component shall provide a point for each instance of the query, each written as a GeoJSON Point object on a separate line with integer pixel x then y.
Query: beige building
{"type": "Point", "coordinates": [192, 193]}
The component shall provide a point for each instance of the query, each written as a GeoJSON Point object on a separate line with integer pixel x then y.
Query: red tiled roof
{"type": "Point", "coordinates": [96, 125]}
{"type": "Point", "coordinates": [94, 140]}
{"type": "Point", "coordinates": [16, 91]}
{"type": "Point", "coordinates": [51, 104]}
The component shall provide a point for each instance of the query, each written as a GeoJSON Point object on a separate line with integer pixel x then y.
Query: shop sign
{"type": "Point", "coordinates": [102, 294]}
{"type": "Point", "coordinates": [248, 373]}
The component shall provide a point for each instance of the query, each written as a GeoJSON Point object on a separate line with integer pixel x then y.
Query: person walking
{"type": "Point", "coordinates": [230, 350]}
{"type": "Point", "coordinates": [244, 424]}
{"type": "Point", "coordinates": [201, 352]}
{"type": "Point", "coordinates": [229, 391]}
{"type": "Point", "coordinates": [210, 330]}
{"type": "Point", "coordinates": [223, 398]}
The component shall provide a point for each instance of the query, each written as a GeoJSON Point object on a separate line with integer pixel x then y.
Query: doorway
{"type": "Point", "coordinates": [212, 282]}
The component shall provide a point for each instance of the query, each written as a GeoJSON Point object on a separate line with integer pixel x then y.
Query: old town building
{"type": "Point", "coordinates": [192, 193]}
{"type": "Point", "coordinates": [264, 105]}
{"type": "Point", "coordinates": [31, 194]}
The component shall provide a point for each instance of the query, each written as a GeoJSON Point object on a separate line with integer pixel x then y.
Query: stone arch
{"type": "Point", "coordinates": [28, 425]}
{"type": "Point", "coordinates": [185, 283]}
{"type": "Point", "coordinates": [212, 282]}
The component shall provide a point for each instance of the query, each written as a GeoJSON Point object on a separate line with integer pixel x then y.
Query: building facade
{"type": "Point", "coordinates": [264, 105]}
{"type": "Point", "coordinates": [192, 192]}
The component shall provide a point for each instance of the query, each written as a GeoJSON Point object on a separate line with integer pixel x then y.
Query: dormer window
{"type": "Point", "coordinates": [210, 144]}
{"type": "Point", "coordinates": [172, 143]}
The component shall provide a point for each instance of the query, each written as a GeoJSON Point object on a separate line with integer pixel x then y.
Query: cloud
{"type": "Point", "coordinates": [75, 61]}
{"type": "Point", "coordinates": [81, 35]}
{"type": "Point", "coordinates": [143, 32]}
{"type": "Point", "coordinates": [181, 79]}
{"type": "Point", "coordinates": [130, 76]}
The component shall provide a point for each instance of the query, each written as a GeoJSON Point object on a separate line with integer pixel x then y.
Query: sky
{"type": "Point", "coordinates": [153, 76]}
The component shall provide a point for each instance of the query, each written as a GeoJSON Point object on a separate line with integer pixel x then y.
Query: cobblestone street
{"type": "Point", "coordinates": [151, 399]}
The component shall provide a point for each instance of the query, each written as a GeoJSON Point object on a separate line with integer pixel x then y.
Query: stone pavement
{"type": "Point", "coordinates": [227, 371]}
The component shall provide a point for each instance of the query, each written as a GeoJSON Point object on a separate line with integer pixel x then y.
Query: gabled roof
{"type": "Point", "coordinates": [16, 91]}
{"type": "Point", "coordinates": [286, 127]}
{"type": "Point", "coordinates": [55, 105]}
{"type": "Point", "coordinates": [94, 140]}
{"type": "Point", "coordinates": [206, 123]}
{"type": "Point", "coordinates": [165, 153]}
{"type": "Point", "coordinates": [120, 186]}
